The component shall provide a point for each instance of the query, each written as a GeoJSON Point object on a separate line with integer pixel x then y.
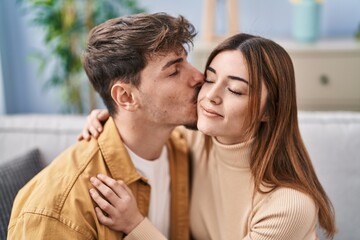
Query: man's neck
{"type": "Point", "coordinates": [143, 139]}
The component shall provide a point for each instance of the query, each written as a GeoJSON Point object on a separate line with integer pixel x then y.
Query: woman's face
{"type": "Point", "coordinates": [223, 99]}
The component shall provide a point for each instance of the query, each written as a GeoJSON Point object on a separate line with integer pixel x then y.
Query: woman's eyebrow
{"type": "Point", "coordinates": [238, 79]}
{"type": "Point", "coordinates": [230, 76]}
{"type": "Point", "coordinates": [210, 69]}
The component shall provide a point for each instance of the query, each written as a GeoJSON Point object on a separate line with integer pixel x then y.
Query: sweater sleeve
{"type": "Point", "coordinates": [284, 214]}
{"type": "Point", "coordinates": [145, 230]}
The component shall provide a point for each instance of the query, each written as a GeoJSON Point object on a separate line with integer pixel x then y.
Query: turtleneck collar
{"type": "Point", "coordinates": [235, 155]}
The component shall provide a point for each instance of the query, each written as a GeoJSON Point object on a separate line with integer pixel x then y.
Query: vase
{"type": "Point", "coordinates": [306, 20]}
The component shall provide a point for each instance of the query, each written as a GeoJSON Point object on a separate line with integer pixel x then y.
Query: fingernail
{"type": "Point", "coordinates": [100, 175]}
{"type": "Point", "coordinates": [92, 179]}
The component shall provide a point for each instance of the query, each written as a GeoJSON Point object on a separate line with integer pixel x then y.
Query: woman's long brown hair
{"type": "Point", "coordinates": [279, 157]}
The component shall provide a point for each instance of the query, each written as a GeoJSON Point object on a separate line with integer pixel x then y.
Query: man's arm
{"type": "Point", "coordinates": [42, 226]}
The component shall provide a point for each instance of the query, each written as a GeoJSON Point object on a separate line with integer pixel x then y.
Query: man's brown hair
{"type": "Point", "coordinates": [118, 49]}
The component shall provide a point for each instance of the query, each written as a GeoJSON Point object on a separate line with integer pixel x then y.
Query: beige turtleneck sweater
{"type": "Point", "coordinates": [222, 205]}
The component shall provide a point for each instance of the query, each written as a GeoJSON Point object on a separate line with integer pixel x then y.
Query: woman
{"type": "Point", "coordinates": [252, 175]}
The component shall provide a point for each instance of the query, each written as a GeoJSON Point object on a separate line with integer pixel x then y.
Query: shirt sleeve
{"type": "Point", "coordinates": [285, 214]}
{"type": "Point", "coordinates": [145, 230]}
{"type": "Point", "coordinates": [37, 226]}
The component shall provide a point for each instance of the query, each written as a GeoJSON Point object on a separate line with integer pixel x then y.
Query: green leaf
{"type": "Point", "coordinates": [65, 37]}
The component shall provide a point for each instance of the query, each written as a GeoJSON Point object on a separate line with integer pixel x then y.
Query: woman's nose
{"type": "Point", "coordinates": [213, 95]}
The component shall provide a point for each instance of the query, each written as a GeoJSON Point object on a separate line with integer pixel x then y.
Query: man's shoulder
{"type": "Point", "coordinates": [60, 192]}
{"type": "Point", "coordinates": [50, 190]}
{"type": "Point", "coordinates": [78, 154]}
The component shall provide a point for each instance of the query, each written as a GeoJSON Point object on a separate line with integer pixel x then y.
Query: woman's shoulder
{"type": "Point", "coordinates": [290, 212]}
{"type": "Point", "coordinates": [288, 204]}
{"type": "Point", "coordinates": [287, 194]}
{"type": "Point", "coordinates": [292, 201]}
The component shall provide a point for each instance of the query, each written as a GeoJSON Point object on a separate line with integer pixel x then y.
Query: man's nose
{"type": "Point", "coordinates": [197, 77]}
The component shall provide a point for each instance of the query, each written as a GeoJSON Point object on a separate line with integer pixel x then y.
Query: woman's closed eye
{"type": "Point", "coordinates": [209, 81]}
{"type": "Point", "coordinates": [236, 92]}
{"type": "Point", "coordinates": [231, 90]}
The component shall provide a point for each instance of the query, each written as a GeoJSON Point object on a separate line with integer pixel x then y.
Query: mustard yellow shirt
{"type": "Point", "coordinates": [56, 203]}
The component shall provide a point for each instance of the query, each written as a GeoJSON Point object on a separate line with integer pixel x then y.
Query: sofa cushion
{"type": "Point", "coordinates": [14, 175]}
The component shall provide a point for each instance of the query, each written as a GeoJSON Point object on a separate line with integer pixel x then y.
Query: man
{"type": "Point", "coordinates": [138, 66]}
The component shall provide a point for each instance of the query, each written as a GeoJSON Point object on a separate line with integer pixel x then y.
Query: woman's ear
{"type": "Point", "coordinates": [123, 96]}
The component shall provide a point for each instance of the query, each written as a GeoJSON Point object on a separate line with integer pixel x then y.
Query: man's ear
{"type": "Point", "coordinates": [123, 96]}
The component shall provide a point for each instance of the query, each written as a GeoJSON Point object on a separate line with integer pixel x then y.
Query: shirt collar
{"type": "Point", "coordinates": [116, 155]}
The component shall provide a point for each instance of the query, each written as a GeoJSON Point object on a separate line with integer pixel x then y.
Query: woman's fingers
{"type": "Point", "coordinates": [115, 192]}
{"type": "Point", "coordinates": [85, 134]}
{"type": "Point", "coordinates": [101, 202]}
{"type": "Point", "coordinates": [93, 124]}
{"type": "Point", "coordinates": [80, 137]}
{"type": "Point", "coordinates": [118, 204]}
{"type": "Point", "coordinates": [107, 191]}
{"type": "Point", "coordinates": [103, 218]}
{"type": "Point", "coordinates": [127, 189]}
{"type": "Point", "coordinates": [95, 120]}
{"type": "Point", "coordinates": [94, 130]}
{"type": "Point", "coordinates": [103, 115]}
{"type": "Point", "coordinates": [119, 187]}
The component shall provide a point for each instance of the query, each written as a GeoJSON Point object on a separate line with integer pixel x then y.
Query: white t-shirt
{"type": "Point", "coordinates": [158, 174]}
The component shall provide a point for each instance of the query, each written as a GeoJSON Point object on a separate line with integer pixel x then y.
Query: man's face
{"type": "Point", "coordinates": [168, 90]}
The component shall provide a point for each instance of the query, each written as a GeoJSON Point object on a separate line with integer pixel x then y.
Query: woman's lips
{"type": "Point", "coordinates": [210, 113]}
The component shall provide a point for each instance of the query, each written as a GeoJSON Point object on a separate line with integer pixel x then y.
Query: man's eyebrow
{"type": "Point", "coordinates": [172, 62]}
{"type": "Point", "coordinates": [230, 76]}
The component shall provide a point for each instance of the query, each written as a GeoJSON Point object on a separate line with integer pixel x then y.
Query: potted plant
{"type": "Point", "coordinates": [66, 24]}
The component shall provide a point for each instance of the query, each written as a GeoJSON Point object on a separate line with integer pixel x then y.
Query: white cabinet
{"type": "Point", "coordinates": [327, 72]}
